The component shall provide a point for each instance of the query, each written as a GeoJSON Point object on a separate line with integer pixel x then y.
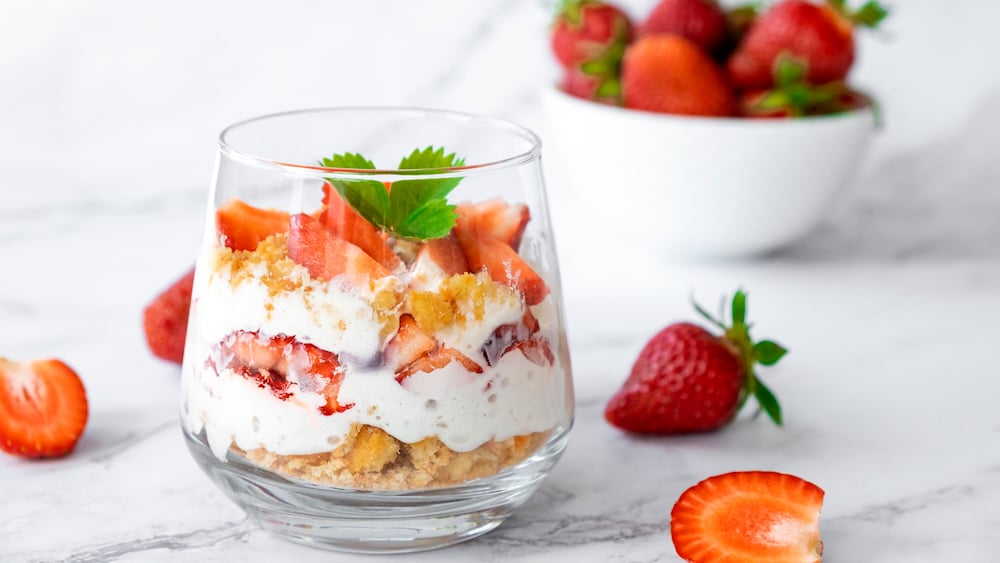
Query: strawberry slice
{"type": "Point", "coordinates": [326, 256]}
{"type": "Point", "coordinates": [504, 265]}
{"type": "Point", "coordinates": [444, 253]}
{"type": "Point", "coordinates": [243, 226]}
{"type": "Point", "coordinates": [165, 320]}
{"type": "Point", "coordinates": [43, 408]}
{"type": "Point", "coordinates": [495, 218]}
{"type": "Point", "coordinates": [408, 344]}
{"type": "Point", "coordinates": [748, 516]}
{"type": "Point", "coordinates": [346, 223]}
{"type": "Point", "coordinates": [437, 359]}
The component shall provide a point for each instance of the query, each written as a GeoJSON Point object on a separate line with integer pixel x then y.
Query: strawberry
{"type": "Point", "coordinates": [586, 30]}
{"type": "Point", "coordinates": [501, 262]}
{"type": "Point", "coordinates": [495, 218]}
{"type": "Point", "coordinates": [268, 361]}
{"type": "Point", "coordinates": [326, 256]}
{"type": "Point", "coordinates": [408, 344]}
{"type": "Point", "coordinates": [43, 408]}
{"type": "Point", "coordinates": [701, 21]}
{"type": "Point", "coordinates": [165, 320]}
{"type": "Point", "coordinates": [793, 96]}
{"type": "Point", "coordinates": [748, 516]}
{"type": "Point", "coordinates": [588, 39]}
{"type": "Point", "coordinates": [587, 87]}
{"type": "Point", "coordinates": [445, 254]}
{"type": "Point", "coordinates": [344, 222]}
{"type": "Point", "coordinates": [436, 359]}
{"type": "Point", "coordinates": [670, 74]}
{"type": "Point", "coordinates": [687, 379]}
{"type": "Point", "coordinates": [243, 226]}
{"type": "Point", "coordinates": [821, 36]}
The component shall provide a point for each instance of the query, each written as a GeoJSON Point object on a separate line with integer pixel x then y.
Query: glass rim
{"type": "Point", "coordinates": [533, 152]}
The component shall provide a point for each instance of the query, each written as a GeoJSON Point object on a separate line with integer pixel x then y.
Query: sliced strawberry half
{"type": "Point", "coordinates": [243, 226]}
{"type": "Point", "coordinates": [43, 408]}
{"type": "Point", "coordinates": [409, 344]}
{"type": "Point", "coordinates": [346, 223]}
{"type": "Point", "coordinates": [749, 516]}
{"type": "Point", "coordinates": [326, 256]}
{"type": "Point", "coordinates": [504, 265]}
{"type": "Point", "coordinates": [165, 320]}
{"type": "Point", "coordinates": [495, 218]}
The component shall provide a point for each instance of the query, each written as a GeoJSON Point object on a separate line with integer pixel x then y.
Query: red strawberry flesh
{"type": "Point", "coordinates": [43, 408]}
{"type": "Point", "coordinates": [748, 516]}
{"type": "Point", "coordinates": [244, 226]}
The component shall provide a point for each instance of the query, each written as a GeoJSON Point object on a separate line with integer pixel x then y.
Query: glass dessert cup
{"type": "Point", "coordinates": [376, 359]}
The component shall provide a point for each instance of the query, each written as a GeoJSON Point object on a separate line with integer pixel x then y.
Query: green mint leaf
{"type": "Point", "coordinates": [431, 220]}
{"type": "Point", "coordinates": [768, 402]}
{"type": "Point", "coordinates": [417, 208]}
{"type": "Point", "coordinates": [768, 353]}
{"type": "Point", "coordinates": [739, 308]}
{"type": "Point", "coordinates": [367, 197]}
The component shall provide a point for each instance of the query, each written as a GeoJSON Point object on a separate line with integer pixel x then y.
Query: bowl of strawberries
{"type": "Point", "coordinates": [710, 132]}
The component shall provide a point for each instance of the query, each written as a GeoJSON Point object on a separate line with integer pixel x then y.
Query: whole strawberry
{"type": "Point", "coordinates": [701, 21]}
{"type": "Point", "coordinates": [687, 379]}
{"type": "Point", "coordinates": [793, 96]}
{"type": "Point", "coordinates": [588, 40]}
{"type": "Point", "coordinates": [819, 35]}
{"type": "Point", "coordinates": [670, 74]}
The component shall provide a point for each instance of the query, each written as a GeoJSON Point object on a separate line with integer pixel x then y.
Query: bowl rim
{"type": "Point", "coordinates": [553, 92]}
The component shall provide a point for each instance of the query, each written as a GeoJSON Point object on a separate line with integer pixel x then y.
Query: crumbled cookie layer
{"type": "Point", "coordinates": [371, 459]}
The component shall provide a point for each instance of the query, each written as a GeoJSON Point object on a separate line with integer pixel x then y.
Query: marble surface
{"type": "Point", "coordinates": [108, 117]}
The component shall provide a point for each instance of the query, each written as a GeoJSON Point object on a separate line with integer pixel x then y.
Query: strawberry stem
{"type": "Point", "coordinates": [765, 352]}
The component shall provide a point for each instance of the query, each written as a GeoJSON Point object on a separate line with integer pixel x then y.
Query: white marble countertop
{"type": "Point", "coordinates": [108, 117]}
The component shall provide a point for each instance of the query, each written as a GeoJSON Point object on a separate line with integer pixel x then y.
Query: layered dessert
{"type": "Point", "coordinates": [327, 348]}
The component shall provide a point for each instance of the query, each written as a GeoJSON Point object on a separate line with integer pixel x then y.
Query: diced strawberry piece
{"type": "Point", "coordinates": [43, 408]}
{"type": "Point", "coordinates": [749, 516]}
{"type": "Point", "coordinates": [409, 344]}
{"type": "Point", "coordinates": [437, 359]}
{"type": "Point", "coordinates": [268, 361]}
{"type": "Point", "coordinates": [537, 350]}
{"type": "Point", "coordinates": [165, 320]}
{"type": "Point", "coordinates": [445, 253]}
{"type": "Point", "coordinates": [346, 223]}
{"type": "Point", "coordinates": [243, 226]}
{"type": "Point", "coordinates": [498, 219]}
{"type": "Point", "coordinates": [504, 265]}
{"type": "Point", "coordinates": [326, 256]}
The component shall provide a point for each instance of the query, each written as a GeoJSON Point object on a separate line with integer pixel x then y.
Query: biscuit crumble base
{"type": "Point", "coordinates": [371, 459]}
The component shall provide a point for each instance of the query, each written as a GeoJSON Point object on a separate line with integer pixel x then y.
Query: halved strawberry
{"type": "Point", "coordinates": [165, 320]}
{"type": "Point", "coordinates": [536, 350]}
{"type": "Point", "coordinates": [346, 223]}
{"type": "Point", "coordinates": [504, 265]}
{"type": "Point", "coordinates": [243, 226]}
{"type": "Point", "coordinates": [326, 256]}
{"type": "Point", "coordinates": [409, 344]}
{"type": "Point", "coordinates": [748, 516]}
{"type": "Point", "coordinates": [43, 408]}
{"type": "Point", "coordinates": [437, 359]}
{"type": "Point", "coordinates": [326, 365]}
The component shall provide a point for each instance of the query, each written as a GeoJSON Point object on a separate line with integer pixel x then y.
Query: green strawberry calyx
{"type": "Point", "coordinates": [764, 352]}
{"type": "Point", "coordinates": [870, 14]}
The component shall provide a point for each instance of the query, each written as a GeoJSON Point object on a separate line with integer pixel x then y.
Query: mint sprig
{"type": "Point", "coordinates": [414, 209]}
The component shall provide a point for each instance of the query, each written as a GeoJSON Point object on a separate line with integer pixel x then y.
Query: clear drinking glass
{"type": "Point", "coordinates": [376, 359]}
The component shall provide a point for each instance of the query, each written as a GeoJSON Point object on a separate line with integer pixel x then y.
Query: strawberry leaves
{"type": "Point", "coordinates": [413, 209]}
{"type": "Point", "coordinates": [765, 352]}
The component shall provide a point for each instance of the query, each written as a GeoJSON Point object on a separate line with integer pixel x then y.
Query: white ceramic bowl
{"type": "Point", "coordinates": [706, 187]}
